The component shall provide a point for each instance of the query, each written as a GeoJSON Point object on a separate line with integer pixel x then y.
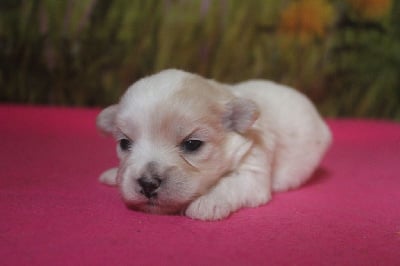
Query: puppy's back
{"type": "Point", "coordinates": [291, 126]}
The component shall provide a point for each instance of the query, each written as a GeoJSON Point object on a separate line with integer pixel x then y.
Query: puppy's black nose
{"type": "Point", "coordinates": [149, 186]}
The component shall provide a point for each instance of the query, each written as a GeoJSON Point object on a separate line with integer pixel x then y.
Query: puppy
{"type": "Point", "coordinates": [197, 147]}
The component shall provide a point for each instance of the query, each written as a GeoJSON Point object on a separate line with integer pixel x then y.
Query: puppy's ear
{"type": "Point", "coordinates": [106, 119]}
{"type": "Point", "coordinates": [240, 114]}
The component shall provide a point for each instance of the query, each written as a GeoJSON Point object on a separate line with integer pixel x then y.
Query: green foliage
{"type": "Point", "coordinates": [86, 52]}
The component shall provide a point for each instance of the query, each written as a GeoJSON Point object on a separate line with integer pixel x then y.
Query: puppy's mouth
{"type": "Point", "coordinates": [162, 200]}
{"type": "Point", "coordinates": [155, 206]}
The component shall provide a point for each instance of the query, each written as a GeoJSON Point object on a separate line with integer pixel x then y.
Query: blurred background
{"type": "Point", "coordinates": [344, 54]}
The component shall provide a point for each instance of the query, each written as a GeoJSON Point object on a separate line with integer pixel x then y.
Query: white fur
{"type": "Point", "coordinates": [258, 137]}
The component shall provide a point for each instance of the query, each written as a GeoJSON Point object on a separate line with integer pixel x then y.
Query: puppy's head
{"type": "Point", "coordinates": [177, 135]}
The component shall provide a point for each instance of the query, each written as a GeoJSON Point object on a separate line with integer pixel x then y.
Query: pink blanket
{"type": "Point", "coordinates": [54, 212]}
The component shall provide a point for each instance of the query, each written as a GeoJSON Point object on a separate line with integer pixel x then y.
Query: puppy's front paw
{"type": "Point", "coordinates": [109, 177]}
{"type": "Point", "coordinates": [207, 208]}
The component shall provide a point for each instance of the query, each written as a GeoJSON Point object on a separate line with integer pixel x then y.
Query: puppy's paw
{"type": "Point", "coordinates": [208, 209]}
{"type": "Point", "coordinates": [109, 177]}
{"type": "Point", "coordinates": [285, 185]}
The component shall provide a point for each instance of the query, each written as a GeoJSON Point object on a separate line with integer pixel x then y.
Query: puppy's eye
{"type": "Point", "coordinates": [125, 144]}
{"type": "Point", "coordinates": [191, 145]}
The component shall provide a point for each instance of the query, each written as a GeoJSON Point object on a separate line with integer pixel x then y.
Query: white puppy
{"type": "Point", "coordinates": [192, 145]}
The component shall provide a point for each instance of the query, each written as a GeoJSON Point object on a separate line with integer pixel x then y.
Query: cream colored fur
{"type": "Point", "coordinates": [258, 137]}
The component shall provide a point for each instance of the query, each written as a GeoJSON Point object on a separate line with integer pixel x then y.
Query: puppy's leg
{"type": "Point", "coordinates": [109, 177]}
{"type": "Point", "coordinates": [294, 166]}
{"type": "Point", "coordinates": [249, 186]}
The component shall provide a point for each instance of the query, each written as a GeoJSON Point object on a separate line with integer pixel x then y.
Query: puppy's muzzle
{"type": "Point", "coordinates": [149, 186]}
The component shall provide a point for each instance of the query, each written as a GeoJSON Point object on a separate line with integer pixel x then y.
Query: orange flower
{"type": "Point", "coordinates": [306, 19]}
{"type": "Point", "coordinates": [371, 8]}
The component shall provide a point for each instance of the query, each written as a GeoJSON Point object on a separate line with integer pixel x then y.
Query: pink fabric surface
{"type": "Point", "coordinates": [54, 212]}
